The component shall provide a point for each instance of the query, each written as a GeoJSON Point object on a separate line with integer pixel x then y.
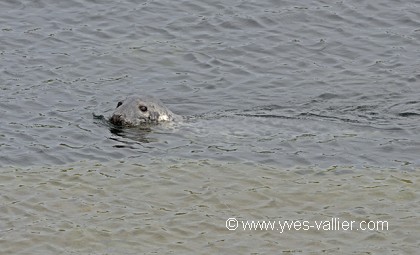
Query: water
{"type": "Point", "coordinates": [293, 110]}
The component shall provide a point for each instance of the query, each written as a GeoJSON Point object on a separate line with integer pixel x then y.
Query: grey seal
{"type": "Point", "coordinates": [141, 110]}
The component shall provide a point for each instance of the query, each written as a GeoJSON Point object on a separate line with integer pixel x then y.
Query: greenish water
{"type": "Point", "coordinates": [182, 208]}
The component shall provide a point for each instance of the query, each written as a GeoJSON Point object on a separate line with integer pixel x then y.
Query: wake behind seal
{"type": "Point", "coordinates": [141, 110]}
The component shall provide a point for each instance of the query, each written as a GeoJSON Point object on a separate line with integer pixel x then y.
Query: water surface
{"type": "Point", "coordinates": [293, 110]}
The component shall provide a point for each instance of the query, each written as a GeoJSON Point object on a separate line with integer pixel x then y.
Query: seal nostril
{"type": "Point", "coordinates": [117, 119]}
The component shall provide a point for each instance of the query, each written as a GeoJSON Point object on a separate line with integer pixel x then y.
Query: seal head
{"type": "Point", "coordinates": [136, 111]}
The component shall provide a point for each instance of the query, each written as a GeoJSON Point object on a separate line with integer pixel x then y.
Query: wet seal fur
{"type": "Point", "coordinates": [136, 111]}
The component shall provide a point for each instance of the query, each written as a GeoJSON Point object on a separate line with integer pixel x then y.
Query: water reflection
{"type": "Point", "coordinates": [138, 134]}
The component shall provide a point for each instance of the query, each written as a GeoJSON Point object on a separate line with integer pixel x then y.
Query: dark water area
{"type": "Point", "coordinates": [291, 89]}
{"type": "Point", "coordinates": [339, 66]}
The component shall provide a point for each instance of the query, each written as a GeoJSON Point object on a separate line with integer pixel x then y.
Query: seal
{"type": "Point", "coordinates": [135, 111]}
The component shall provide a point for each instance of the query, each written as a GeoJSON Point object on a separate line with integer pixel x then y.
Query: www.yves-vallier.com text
{"type": "Point", "coordinates": [332, 224]}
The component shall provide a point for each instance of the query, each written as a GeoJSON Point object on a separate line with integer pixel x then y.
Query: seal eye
{"type": "Point", "coordinates": [143, 108]}
{"type": "Point", "coordinates": [119, 104]}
